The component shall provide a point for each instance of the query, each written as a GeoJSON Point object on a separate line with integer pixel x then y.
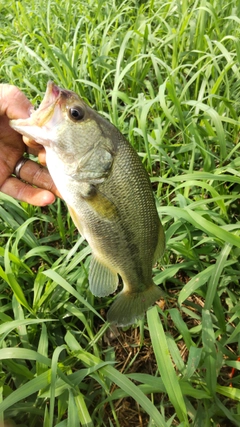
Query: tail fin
{"type": "Point", "coordinates": [129, 307]}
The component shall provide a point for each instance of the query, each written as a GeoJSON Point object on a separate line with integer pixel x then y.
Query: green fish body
{"type": "Point", "coordinates": [109, 197]}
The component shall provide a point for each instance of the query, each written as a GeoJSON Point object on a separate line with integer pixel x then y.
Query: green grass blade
{"type": "Point", "coordinates": [165, 365]}
{"type": "Point", "coordinates": [208, 339]}
{"type": "Point", "coordinates": [54, 367]}
{"type": "Point", "coordinates": [65, 285]}
{"type": "Point", "coordinates": [73, 419]}
{"type": "Point", "coordinates": [131, 390]}
{"type": "Point", "coordinates": [215, 276]}
{"type": "Point", "coordinates": [200, 222]}
{"type": "Point", "coordinates": [33, 386]}
{"type": "Point", "coordinates": [22, 353]}
{"type": "Point", "coordinates": [119, 379]}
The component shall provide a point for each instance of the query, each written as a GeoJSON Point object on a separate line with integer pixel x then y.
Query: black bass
{"type": "Point", "coordinates": [109, 197]}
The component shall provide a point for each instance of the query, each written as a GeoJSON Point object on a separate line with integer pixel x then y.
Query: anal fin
{"type": "Point", "coordinates": [102, 280]}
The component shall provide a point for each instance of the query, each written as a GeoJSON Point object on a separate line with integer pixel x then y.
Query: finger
{"type": "Point", "coordinates": [14, 103]}
{"type": "Point", "coordinates": [42, 157]}
{"type": "Point", "coordinates": [39, 176]}
{"type": "Point", "coordinates": [40, 153]}
{"type": "Point", "coordinates": [31, 143]}
{"type": "Point", "coordinates": [36, 149]}
{"type": "Point", "coordinates": [24, 192]}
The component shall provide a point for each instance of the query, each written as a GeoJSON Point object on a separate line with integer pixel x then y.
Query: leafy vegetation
{"type": "Point", "coordinates": [167, 75]}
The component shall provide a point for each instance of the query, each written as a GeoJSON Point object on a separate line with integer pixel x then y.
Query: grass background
{"type": "Point", "coordinates": [167, 75]}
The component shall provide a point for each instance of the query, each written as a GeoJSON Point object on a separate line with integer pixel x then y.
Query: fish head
{"type": "Point", "coordinates": [79, 136]}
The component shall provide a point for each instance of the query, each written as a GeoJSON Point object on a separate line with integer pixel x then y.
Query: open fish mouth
{"type": "Point", "coordinates": [44, 119]}
{"type": "Point", "coordinates": [45, 111]}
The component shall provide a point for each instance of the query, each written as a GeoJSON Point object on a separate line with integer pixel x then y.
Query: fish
{"type": "Point", "coordinates": [109, 197]}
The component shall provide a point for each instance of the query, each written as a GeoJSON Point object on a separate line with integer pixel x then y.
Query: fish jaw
{"type": "Point", "coordinates": [42, 124]}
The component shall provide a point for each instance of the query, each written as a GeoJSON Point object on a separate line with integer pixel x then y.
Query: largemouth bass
{"type": "Point", "coordinates": [109, 197]}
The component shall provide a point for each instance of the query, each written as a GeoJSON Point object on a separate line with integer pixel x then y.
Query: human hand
{"type": "Point", "coordinates": [14, 105]}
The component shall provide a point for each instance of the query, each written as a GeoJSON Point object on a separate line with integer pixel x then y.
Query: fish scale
{"type": "Point", "coordinates": [109, 197]}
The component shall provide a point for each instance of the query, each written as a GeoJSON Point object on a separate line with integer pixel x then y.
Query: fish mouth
{"type": "Point", "coordinates": [42, 121]}
{"type": "Point", "coordinates": [46, 109]}
{"type": "Point", "coordinates": [44, 113]}
{"type": "Point", "coordinates": [52, 89]}
{"type": "Point", "coordinates": [43, 124]}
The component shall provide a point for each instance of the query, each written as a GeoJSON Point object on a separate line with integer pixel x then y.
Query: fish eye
{"type": "Point", "coordinates": [76, 113]}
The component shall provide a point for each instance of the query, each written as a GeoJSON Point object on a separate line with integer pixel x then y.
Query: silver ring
{"type": "Point", "coordinates": [19, 166]}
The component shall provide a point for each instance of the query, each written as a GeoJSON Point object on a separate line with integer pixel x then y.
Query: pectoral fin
{"type": "Point", "coordinates": [104, 207]}
{"type": "Point", "coordinates": [102, 280]}
{"type": "Point", "coordinates": [100, 204]}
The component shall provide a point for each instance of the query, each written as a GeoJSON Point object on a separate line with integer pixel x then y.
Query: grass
{"type": "Point", "coordinates": [167, 75]}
